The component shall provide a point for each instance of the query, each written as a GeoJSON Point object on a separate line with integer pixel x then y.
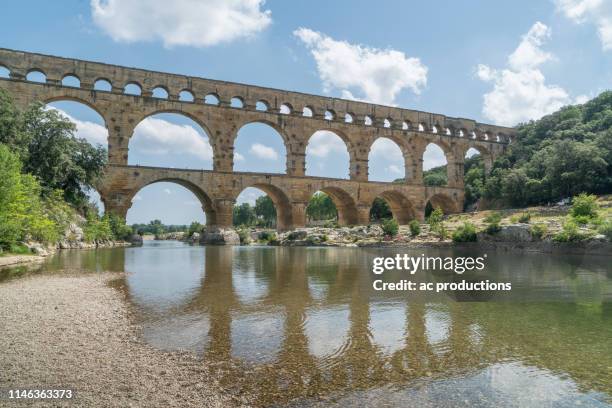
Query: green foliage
{"type": "Point", "coordinates": [266, 236]}
{"type": "Point", "coordinates": [265, 211]}
{"type": "Point", "coordinates": [584, 205]}
{"type": "Point", "coordinates": [321, 207]}
{"type": "Point", "coordinates": [195, 227]}
{"type": "Point", "coordinates": [465, 233]}
{"type": "Point", "coordinates": [415, 228]}
{"type": "Point", "coordinates": [380, 210]}
{"type": "Point", "coordinates": [243, 234]}
{"type": "Point", "coordinates": [558, 156]}
{"type": "Point", "coordinates": [46, 144]}
{"type": "Point", "coordinates": [97, 229]}
{"type": "Point", "coordinates": [493, 221]}
{"type": "Point", "coordinates": [390, 227]}
{"type": "Point", "coordinates": [570, 232]}
{"type": "Point", "coordinates": [524, 218]}
{"type": "Point", "coordinates": [119, 230]}
{"type": "Point", "coordinates": [244, 215]}
{"type": "Point", "coordinates": [156, 227]}
{"type": "Point", "coordinates": [537, 231]}
{"type": "Point", "coordinates": [605, 228]}
{"type": "Point", "coordinates": [435, 176]}
{"type": "Point", "coordinates": [22, 210]}
{"type": "Point", "coordinates": [436, 223]}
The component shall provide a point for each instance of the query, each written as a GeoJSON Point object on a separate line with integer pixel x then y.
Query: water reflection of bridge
{"type": "Point", "coordinates": [317, 328]}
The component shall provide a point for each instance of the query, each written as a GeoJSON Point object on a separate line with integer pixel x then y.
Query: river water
{"type": "Point", "coordinates": [304, 326]}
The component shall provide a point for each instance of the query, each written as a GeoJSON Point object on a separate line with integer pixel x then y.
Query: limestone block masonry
{"type": "Point", "coordinates": [296, 116]}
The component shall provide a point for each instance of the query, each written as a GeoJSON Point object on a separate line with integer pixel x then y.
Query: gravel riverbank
{"type": "Point", "coordinates": [75, 332]}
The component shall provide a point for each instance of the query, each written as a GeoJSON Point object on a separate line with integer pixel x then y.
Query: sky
{"type": "Point", "coordinates": [501, 62]}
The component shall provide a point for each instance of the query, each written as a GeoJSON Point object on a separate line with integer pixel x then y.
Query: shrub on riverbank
{"type": "Point", "coordinates": [390, 227]}
{"type": "Point", "coordinates": [415, 228]}
{"type": "Point", "coordinates": [465, 233]}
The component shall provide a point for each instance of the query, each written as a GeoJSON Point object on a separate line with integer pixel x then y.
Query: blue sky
{"type": "Point", "coordinates": [499, 62]}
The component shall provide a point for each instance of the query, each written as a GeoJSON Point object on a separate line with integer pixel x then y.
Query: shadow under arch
{"type": "Point", "coordinates": [401, 207]}
{"type": "Point", "coordinates": [205, 200]}
{"type": "Point", "coordinates": [444, 202]}
{"type": "Point", "coordinates": [282, 204]}
{"type": "Point", "coordinates": [345, 205]}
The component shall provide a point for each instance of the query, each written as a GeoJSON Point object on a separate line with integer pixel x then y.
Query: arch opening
{"type": "Point", "coordinates": [392, 204]}
{"type": "Point", "coordinates": [441, 201]}
{"type": "Point", "coordinates": [71, 81]}
{"type": "Point", "coordinates": [386, 161]}
{"type": "Point", "coordinates": [103, 85]}
{"type": "Point", "coordinates": [286, 109]}
{"type": "Point", "coordinates": [169, 139]}
{"type": "Point", "coordinates": [435, 166]}
{"type": "Point", "coordinates": [307, 111]}
{"type": "Point", "coordinates": [262, 106]}
{"type": "Point", "coordinates": [211, 99]}
{"type": "Point", "coordinates": [132, 88]}
{"type": "Point", "coordinates": [237, 102]}
{"type": "Point", "coordinates": [36, 76]}
{"type": "Point", "coordinates": [367, 120]}
{"type": "Point", "coordinates": [90, 125]}
{"type": "Point", "coordinates": [4, 72]}
{"type": "Point", "coordinates": [160, 92]}
{"type": "Point", "coordinates": [329, 115]}
{"type": "Point", "coordinates": [186, 96]}
{"type": "Point", "coordinates": [348, 118]}
{"type": "Point", "coordinates": [474, 177]}
{"type": "Point", "coordinates": [331, 205]}
{"type": "Point", "coordinates": [170, 205]}
{"type": "Point", "coordinates": [262, 205]}
{"type": "Point", "coordinates": [327, 155]}
{"type": "Point", "coordinates": [259, 147]}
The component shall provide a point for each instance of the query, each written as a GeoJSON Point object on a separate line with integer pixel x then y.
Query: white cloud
{"type": "Point", "coordinates": [394, 168]}
{"type": "Point", "coordinates": [167, 191]}
{"type": "Point", "coordinates": [90, 131]}
{"type": "Point", "coordinates": [433, 157]}
{"type": "Point", "coordinates": [323, 142]}
{"type": "Point", "coordinates": [520, 91]}
{"type": "Point", "coordinates": [378, 74]}
{"type": "Point", "coordinates": [198, 23]}
{"type": "Point", "coordinates": [249, 195]}
{"type": "Point", "coordinates": [238, 157]}
{"type": "Point", "coordinates": [263, 152]}
{"type": "Point", "coordinates": [387, 149]}
{"type": "Point", "coordinates": [160, 137]}
{"type": "Point", "coordinates": [137, 197]}
{"type": "Point", "coordinates": [597, 12]}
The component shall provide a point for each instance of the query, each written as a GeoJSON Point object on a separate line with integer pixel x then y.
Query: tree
{"type": "Point", "coordinates": [380, 210]}
{"type": "Point", "coordinates": [321, 207]}
{"type": "Point", "coordinates": [244, 215]}
{"type": "Point", "coordinates": [265, 211]}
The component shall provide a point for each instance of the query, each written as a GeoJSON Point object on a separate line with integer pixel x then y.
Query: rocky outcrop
{"type": "Point", "coordinates": [508, 233]}
{"type": "Point", "coordinates": [220, 236]}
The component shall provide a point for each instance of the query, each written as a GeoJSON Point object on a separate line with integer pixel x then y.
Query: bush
{"type": "Point", "coordinates": [582, 219]}
{"type": "Point", "coordinates": [493, 221]}
{"type": "Point", "coordinates": [273, 239]}
{"type": "Point", "coordinates": [415, 228]}
{"type": "Point", "coordinates": [243, 234]}
{"type": "Point", "coordinates": [524, 218]}
{"type": "Point", "coordinates": [606, 228]}
{"type": "Point", "coordinates": [584, 205]}
{"type": "Point", "coordinates": [537, 231]}
{"type": "Point", "coordinates": [265, 235]}
{"type": "Point", "coordinates": [390, 227]}
{"type": "Point", "coordinates": [197, 227]}
{"type": "Point", "coordinates": [436, 223]}
{"type": "Point", "coordinates": [465, 233]}
{"type": "Point", "coordinates": [570, 232]}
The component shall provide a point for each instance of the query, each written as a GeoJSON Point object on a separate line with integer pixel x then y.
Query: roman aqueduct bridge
{"type": "Point", "coordinates": [295, 116]}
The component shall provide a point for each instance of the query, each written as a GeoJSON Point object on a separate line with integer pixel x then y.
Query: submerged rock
{"type": "Point", "coordinates": [220, 236]}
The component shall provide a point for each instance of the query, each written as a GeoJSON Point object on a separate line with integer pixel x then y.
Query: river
{"type": "Point", "coordinates": [304, 326]}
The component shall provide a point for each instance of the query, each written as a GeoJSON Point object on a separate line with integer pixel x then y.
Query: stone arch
{"type": "Point", "coordinates": [275, 126]}
{"type": "Point", "coordinates": [5, 72]}
{"type": "Point", "coordinates": [70, 77]}
{"type": "Point", "coordinates": [444, 202]}
{"type": "Point", "coordinates": [100, 84]}
{"type": "Point", "coordinates": [389, 147]}
{"type": "Point", "coordinates": [133, 84]}
{"type": "Point", "coordinates": [311, 149]}
{"type": "Point", "coordinates": [207, 203]}
{"type": "Point", "coordinates": [431, 159]}
{"type": "Point", "coordinates": [281, 201]}
{"type": "Point", "coordinates": [237, 102]}
{"type": "Point", "coordinates": [485, 153]}
{"type": "Point", "coordinates": [180, 113]}
{"type": "Point", "coordinates": [345, 205]}
{"type": "Point", "coordinates": [33, 73]}
{"type": "Point", "coordinates": [70, 98]}
{"type": "Point", "coordinates": [160, 92]}
{"type": "Point", "coordinates": [401, 207]}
